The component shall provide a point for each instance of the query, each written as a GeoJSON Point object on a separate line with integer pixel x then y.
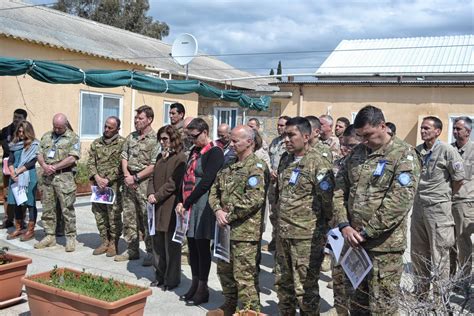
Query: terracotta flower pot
{"type": "Point", "coordinates": [10, 277]}
{"type": "Point", "coordinates": [249, 313]}
{"type": "Point", "coordinates": [48, 300]}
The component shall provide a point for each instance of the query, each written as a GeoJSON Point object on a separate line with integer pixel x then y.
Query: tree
{"type": "Point", "coordinates": [272, 72]}
{"type": "Point", "coordinates": [279, 71]}
{"type": "Point", "coordinates": [130, 15]}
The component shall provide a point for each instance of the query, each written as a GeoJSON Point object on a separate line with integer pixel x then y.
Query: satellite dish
{"type": "Point", "coordinates": [184, 48]}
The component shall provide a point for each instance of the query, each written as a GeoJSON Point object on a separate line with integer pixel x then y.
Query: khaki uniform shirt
{"type": "Point", "coordinates": [334, 145]}
{"type": "Point", "coordinates": [140, 153]}
{"type": "Point", "coordinates": [104, 159]}
{"type": "Point", "coordinates": [375, 191]}
{"type": "Point", "coordinates": [276, 150]}
{"type": "Point", "coordinates": [56, 148]}
{"type": "Point", "coordinates": [305, 191]}
{"type": "Point", "coordinates": [466, 193]}
{"type": "Point", "coordinates": [441, 165]}
{"type": "Point", "coordinates": [241, 188]}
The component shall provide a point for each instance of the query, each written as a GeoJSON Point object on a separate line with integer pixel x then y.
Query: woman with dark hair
{"type": "Point", "coordinates": [205, 160]}
{"type": "Point", "coordinates": [163, 188]}
{"type": "Point", "coordinates": [21, 162]}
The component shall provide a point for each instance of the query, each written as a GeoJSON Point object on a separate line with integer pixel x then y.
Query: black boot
{"type": "Point", "coordinates": [192, 290]}
{"type": "Point", "coordinates": [202, 294]}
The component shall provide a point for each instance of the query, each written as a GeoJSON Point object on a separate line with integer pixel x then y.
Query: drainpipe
{"type": "Point", "coordinates": [300, 104]}
{"type": "Point", "coordinates": [132, 112]}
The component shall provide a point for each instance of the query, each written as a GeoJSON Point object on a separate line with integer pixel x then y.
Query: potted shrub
{"type": "Point", "coordinates": [64, 291]}
{"type": "Point", "coordinates": [12, 269]}
{"type": "Point", "coordinates": [82, 179]}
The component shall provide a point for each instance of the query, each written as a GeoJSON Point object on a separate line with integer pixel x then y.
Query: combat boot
{"type": "Point", "coordinates": [148, 260]}
{"type": "Point", "coordinates": [226, 309]}
{"type": "Point", "coordinates": [70, 243]}
{"type": "Point", "coordinates": [128, 255]}
{"type": "Point", "coordinates": [47, 241]}
{"type": "Point", "coordinates": [112, 250]}
{"type": "Point", "coordinates": [104, 246]}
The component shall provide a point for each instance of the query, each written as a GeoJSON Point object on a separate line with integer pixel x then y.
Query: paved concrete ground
{"type": "Point", "coordinates": [160, 303]}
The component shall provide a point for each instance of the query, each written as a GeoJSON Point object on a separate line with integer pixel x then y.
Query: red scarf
{"type": "Point", "coordinates": [189, 180]}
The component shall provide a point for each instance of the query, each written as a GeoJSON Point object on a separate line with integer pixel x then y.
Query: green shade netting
{"type": "Point", "coordinates": [50, 72]}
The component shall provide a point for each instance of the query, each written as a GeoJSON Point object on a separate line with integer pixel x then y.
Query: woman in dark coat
{"type": "Point", "coordinates": [163, 188]}
{"type": "Point", "coordinates": [205, 160]}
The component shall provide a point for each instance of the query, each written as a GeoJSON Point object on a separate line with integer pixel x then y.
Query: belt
{"type": "Point", "coordinates": [67, 169]}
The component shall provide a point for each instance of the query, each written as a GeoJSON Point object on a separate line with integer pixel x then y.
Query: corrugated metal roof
{"type": "Point", "coordinates": [382, 82]}
{"type": "Point", "coordinates": [60, 30]}
{"type": "Point", "coordinates": [415, 55]}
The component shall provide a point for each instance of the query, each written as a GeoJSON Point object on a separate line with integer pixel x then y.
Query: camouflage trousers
{"type": "Point", "coordinates": [273, 208]}
{"type": "Point", "coordinates": [109, 217]}
{"type": "Point", "coordinates": [378, 293]}
{"type": "Point", "coordinates": [239, 277]}
{"type": "Point", "coordinates": [135, 217]}
{"type": "Point", "coordinates": [340, 291]}
{"type": "Point", "coordinates": [463, 213]}
{"type": "Point", "coordinates": [298, 263]}
{"type": "Point", "coordinates": [62, 188]}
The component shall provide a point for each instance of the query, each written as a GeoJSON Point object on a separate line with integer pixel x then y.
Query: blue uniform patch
{"type": "Point", "coordinates": [404, 179]}
{"type": "Point", "coordinates": [324, 185]}
{"type": "Point", "coordinates": [253, 181]}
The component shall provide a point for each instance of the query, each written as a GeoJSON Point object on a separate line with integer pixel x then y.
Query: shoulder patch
{"type": "Point", "coordinates": [259, 165]}
{"type": "Point", "coordinates": [324, 185]}
{"type": "Point", "coordinates": [404, 179]}
{"type": "Point", "coordinates": [77, 146]}
{"type": "Point", "coordinates": [252, 181]}
{"type": "Point", "coordinates": [457, 165]}
{"type": "Point", "coordinates": [410, 157]}
{"type": "Point", "coordinates": [325, 154]}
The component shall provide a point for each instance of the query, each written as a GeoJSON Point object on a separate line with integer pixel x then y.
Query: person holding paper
{"type": "Point", "coordinates": [58, 153]}
{"type": "Point", "coordinates": [104, 165]}
{"type": "Point", "coordinates": [305, 185]}
{"type": "Point", "coordinates": [237, 198]}
{"type": "Point", "coordinates": [22, 160]}
{"type": "Point", "coordinates": [375, 189]}
{"type": "Point", "coordinates": [162, 191]}
{"type": "Point", "coordinates": [139, 153]}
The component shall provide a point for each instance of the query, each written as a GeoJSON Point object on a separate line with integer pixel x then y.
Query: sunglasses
{"type": "Point", "coordinates": [195, 136]}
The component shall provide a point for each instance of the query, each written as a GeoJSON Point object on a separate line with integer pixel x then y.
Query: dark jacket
{"type": "Point", "coordinates": [164, 183]}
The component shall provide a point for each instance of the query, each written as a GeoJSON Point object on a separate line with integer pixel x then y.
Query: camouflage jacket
{"type": "Point", "coordinates": [276, 150]}
{"type": "Point", "coordinates": [104, 159]}
{"type": "Point", "coordinates": [241, 188]}
{"type": "Point", "coordinates": [304, 206]}
{"type": "Point", "coordinates": [334, 145]}
{"type": "Point", "coordinates": [54, 149]}
{"type": "Point", "coordinates": [375, 191]}
{"type": "Point", "coordinates": [140, 153]}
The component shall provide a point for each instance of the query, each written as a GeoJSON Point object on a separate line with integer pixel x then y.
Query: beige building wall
{"type": "Point", "coordinates": [43, 100]}
{"type": "Point", "coordinates": [401, 105]}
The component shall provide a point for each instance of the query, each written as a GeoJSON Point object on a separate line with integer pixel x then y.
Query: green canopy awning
{"type": "Point", "coordinates": [56, 73]}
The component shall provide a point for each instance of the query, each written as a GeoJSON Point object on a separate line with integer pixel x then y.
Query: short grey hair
{"type": "Point", "coordinates": [327, 118]}
{"type": "Point", "coordinates": [467, 122]}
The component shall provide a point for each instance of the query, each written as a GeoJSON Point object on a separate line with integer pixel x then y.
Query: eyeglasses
{"type": "Point", "coordinates": [191, 136]}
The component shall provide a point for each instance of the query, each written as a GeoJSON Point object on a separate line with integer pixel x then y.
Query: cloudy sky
{"type": "Point", "coordinates": [287, 27]}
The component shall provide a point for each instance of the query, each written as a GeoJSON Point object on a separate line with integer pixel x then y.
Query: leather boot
{"type": "Point", "coordinates": [112, 250]}
{"type": "Point", "coordinates": [17, 232]}
{"type": "Point", "coordinates": [226, 309]}
{"type": "Point", "coordinates": [104, 246]}
{"type": "Point", "coordinates": [202, 294]}
{"type": "Point", "coordinates": [190, 293]}
{"type": "Point", "coordinates": [30, 232]}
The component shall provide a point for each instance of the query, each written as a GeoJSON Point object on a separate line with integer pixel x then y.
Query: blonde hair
{"type": "Point", "coordinates": [28, 133]}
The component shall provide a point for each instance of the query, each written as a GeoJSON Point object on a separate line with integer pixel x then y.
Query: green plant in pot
{"type": "Point", "coordinates": [12, 269]}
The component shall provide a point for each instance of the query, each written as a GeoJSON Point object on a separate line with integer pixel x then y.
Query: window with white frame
{"type": "Point", "coordinates": [451, 125]}
{"type": "Point", "coordinates": [224, 115]}
{"type": "Point", "coordinates": [166, 112]}
{"type": "Point", "coordinates": [95, 108]}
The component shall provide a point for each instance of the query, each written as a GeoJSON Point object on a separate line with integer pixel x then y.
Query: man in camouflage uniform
{"type": "Point", "coordinates": [374, 192]}
{"type": "Point", "coordinates": [305, 186]}
{"type": "Point", "coordinates": [237, 198]}
{"type": "Point", "coordinates": [104, 164]}
{"type": "Point", "coordinates": [59, 151]}
{"type": "Point", "coordinates": [432, 223]}
{"type": "Point", "coordinates": [139, 153]}
{"type": "Point", "coordinates": [463, 201]}
{"type": "Point", "coordinates": [327, 136]}
{"type": "Point", "coordinates": [276, 150]}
